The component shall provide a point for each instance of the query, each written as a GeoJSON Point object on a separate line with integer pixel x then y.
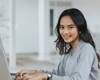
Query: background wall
{"type": "Point", "coordinates": [4, 32]}
{"type": "Point", "coordinates": [26, 26]}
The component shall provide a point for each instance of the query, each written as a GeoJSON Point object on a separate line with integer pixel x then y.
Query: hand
{"type": "Point", "coordinates": [41, 76]}
{"type": "Point", "coordinates": [25, 72]}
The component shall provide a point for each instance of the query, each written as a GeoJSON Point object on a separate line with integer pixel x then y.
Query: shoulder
{"type": "Point", "coordinates": [86, 47]}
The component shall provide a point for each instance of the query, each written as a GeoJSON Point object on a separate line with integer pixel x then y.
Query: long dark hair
{"type": "Point", "coordinates": [79, 20]}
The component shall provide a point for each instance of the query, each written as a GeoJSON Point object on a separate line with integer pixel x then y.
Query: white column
{"type": "Point", "coordinates": [41, 28]}
{"type": "Point", "coordinates": [12, 57]}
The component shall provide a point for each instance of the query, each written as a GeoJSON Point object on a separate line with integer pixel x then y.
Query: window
{"type": "Point", "coordinates": [51, 21]}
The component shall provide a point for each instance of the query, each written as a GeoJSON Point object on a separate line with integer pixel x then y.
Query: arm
{"type": "Point", "coordinates": [57, 71]}
{"type": "Point", "coordinates": [84, 64]}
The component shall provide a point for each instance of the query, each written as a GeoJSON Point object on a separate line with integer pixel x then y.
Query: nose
{"type": "Point", "coordinates": [66, 31]}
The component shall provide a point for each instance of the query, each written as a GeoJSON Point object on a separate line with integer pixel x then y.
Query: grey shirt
{"type": "Point", "coordinates": [82, 65]}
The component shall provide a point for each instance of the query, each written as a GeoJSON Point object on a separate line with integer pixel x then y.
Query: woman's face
{"type": "Point", "coordinates": [68, 30]}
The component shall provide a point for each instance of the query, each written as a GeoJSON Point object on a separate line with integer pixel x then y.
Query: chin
{"type": "Point", "coordinates": [67, 41]}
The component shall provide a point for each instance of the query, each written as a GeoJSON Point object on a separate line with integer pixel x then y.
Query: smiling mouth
{"type": "Point", "coordinates": [67, 37]}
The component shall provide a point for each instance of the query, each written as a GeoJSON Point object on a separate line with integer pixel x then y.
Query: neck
{"type": "Point", "coordinates": [75, 43]}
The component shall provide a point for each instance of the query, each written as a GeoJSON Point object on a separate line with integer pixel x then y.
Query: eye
{"type": "Point", "coordinates": [61, 27]}
{"type": "Point", "coordinates": [70, 27]}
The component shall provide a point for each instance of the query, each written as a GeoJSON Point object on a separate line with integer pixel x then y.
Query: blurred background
{"type": "Point", "coordinates": [27, 30]}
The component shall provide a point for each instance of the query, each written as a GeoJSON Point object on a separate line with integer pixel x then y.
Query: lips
{"type": "Point", "coordinates": [66, 37]}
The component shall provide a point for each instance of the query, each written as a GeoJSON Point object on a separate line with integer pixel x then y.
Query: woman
{"type": "Point", "coordinates": [75, 42]}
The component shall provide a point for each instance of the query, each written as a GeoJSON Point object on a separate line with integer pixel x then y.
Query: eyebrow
{"type": "Point", "coordinates": [71, 25]}
{"type": "Point", "coordinates": [61, 25]}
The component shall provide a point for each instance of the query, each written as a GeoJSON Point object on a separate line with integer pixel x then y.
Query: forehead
{"type": "Point", "coordinates": [66, 20]}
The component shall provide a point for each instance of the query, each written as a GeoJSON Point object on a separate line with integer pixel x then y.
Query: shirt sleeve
{"type": "Point", "coordinates": [54, 71]}
{"type": "Point", "coordinates": [83, 68]}
{"type": "Point", "coordinates": [57, 71]}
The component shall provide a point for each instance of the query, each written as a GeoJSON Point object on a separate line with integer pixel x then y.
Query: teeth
{"type": "Point", "coordinates": [67, 36]}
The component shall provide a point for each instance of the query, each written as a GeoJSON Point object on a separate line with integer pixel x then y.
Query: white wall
{"type": "Point", "coordinates": [26, 26]}
{"type": "Point", "coordinates": [91, 12]}
{"type": "Point", "coordinates": [4, 31]}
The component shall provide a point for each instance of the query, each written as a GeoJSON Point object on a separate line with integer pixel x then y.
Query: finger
{"type": "Point", "coordinates": [33, 79]}
{"type": "Point", "coordinates": [21, 75]}
{"type": "Point", "coordinates": [19, 72]}
{"type": "Point", "coordinates": [16, 78]}
{"type": "Point", "coordinates": [25, 77]}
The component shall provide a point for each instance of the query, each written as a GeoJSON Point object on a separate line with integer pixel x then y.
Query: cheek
{"type": "Point", "coordinates": [60, 31]}
{"type": "Point", "coordinates": [74, 32]}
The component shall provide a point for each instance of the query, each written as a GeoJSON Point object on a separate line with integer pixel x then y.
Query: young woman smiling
{"type": "Point", "coordinates": [74, 41]}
